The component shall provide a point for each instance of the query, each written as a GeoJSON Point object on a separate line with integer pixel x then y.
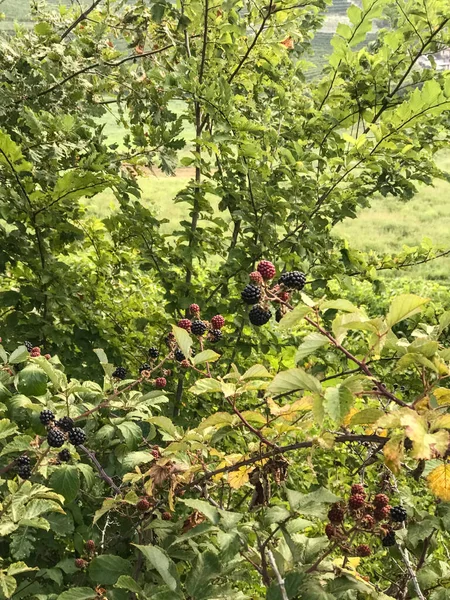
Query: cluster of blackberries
{"type": "Point", "coordinates": [61, 429]}
{"type": "Point", "coordinates": [24, 466]}
{"type": "Point", "coordinates": [198, 327]}
{"type": "Point", "coordinates": [368, 516]}
{"type": "Point", "coordinates": [260, 295]}
{"type": "Point", "coordinates": [34, 351]}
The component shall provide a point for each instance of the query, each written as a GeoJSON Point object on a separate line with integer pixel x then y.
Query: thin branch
{"type": "Point", "coordinates": [80, 18]}
{"type": "Point", "coordinates": [280, 579]}
{"type": "Point", "coordinates": [100, 469]}
{"type": "Point", "coordinates": [411, 571]}
{"type": "Point", "coordinates": [257, 432]}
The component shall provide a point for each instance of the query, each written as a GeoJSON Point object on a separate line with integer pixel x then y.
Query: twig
{"type": "Point", "coordinates": [80, 18]}
{"type": "Point", "coordinates": [412, 573]}
{"type": "Point", "coordinates": [277, 575]}
{"type": "Point", "coordinates": [100, 469]}
{"type": "Point", "coordinates": [250, 427]}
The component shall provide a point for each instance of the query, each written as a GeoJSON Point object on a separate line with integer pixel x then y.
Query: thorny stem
{"type": "Point", "coordinates": [280, 579]}
{"type": "Point", "coordinates": [100, 469]}
{"type": "Point", "coordinates": [411, 571]}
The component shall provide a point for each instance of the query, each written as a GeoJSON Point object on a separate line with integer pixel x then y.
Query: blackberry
{"type": "Point", "coordinates": [80, 563]}
{"type": "Point", "coordinates": [185, 364]}
{"type": "Point", "coordinates": [64, 455]}
{"type": "Point", "coordinates": [363, 550]}
{"type": "Point", "coordinates": [46, 416]}
{"type": "Point", "coordinates": [294, 280]}
{"type": "Point", "coordinates": [398, 514]}
{"type": "Point", "coordinates": [256, 277]}
{"type": "Point", "coordinates": [24, 471]}
{"type": "Point", "coordinates": [381, 500]}
{"type": "Point", "coordinates": [215, 335]}
{"type": "Point", "coordinates": [218, 322]}
{"type": "Point", "coordinates": [144, 367]}
{"type": "Point", "coordinates": [198, 327]}
{"type": "Point", "coordinates": [259, 316]}
{"type": "Point", "coordinates": [356, 501]}
{"type": "Point", "coordinates": [193, 352]}
{"type": "Point", "coordinates": [278, 315]}
{"type": "Point", "coordinates": [77, 436]}
{"type": "Point", "coordinates": [368, 521]}
{"type": "Point", "coordinates": [336, 513]}
{"type": "Point", "coordinates": [120, 373]}
{"type": "Point", "coordinates": [184, 324]}
{"type": "Point", "coordinates": [55, 438]}
{"type": "Point", "coordinates": [408, 444]}
{"type": "Point", "coordinates": [389, 539]}
{"type": "Point", "coordinates": [267, 269]}
{"type": "Point", "coordinates": [65, 424]}
{"type": "Point", "coordinates": [251, 294]}
{"type": "Point", "coordinates": [160, 382]}
{"type": "Point", "coordinates": [382, 513]}
{"type": "Point", "coordinates": [28, 346]}
{"type": "Point", "coordinates": [166, 516]}
{"type": "Point", "coordinates": [194, 309]}
{"type": "Point", "coordinates": [179, 356]}
{"type": "Point", "coordinates": [358, 488]}
{"type": "Point", "coordinates": [330, 531]}
{"type": "Point", "coordinates": [23, 461]}
{"type": "Point", "coordinates": [90, 546]}
{"type": "Point", "coordinates": [169, 339]}
{"type": "Point", "coordinates": [153, 352]}
{"type": "Point", "coordinates": [143, 505]}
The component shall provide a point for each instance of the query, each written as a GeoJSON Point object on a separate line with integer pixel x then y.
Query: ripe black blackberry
{"type": "Point", "coordinates": [24, 471]}
{"type": "Point", "coordinates": [259, 316]}
{"type": "Point", "coordinates": [278, 315]}
{"type": "Point", "coordinates": [120, 373]}
{"type": "Point", "coordinates": [179, 356]}
{"type": "Point", "coordinates": [29, 346]}
{"type": "Point", "coordinates": [398, 514]}
{"type": "Point", "coordinates": [65, 424]}
{"type": "Point", "coordinates": [408, 444]}
{"type": "Point", "coordinates": [55, 438]}
{"type": "Point", "coordinates": [64, 455]}
{"type": "Point", "coordinates": [251, 294]}
{"type": "Point", "coordinates": [215, 335]}
{"type": "Point", "coordinates": [198, 327]}
{"type": "Point", "coordinates": [153, 352]}
{"type": "Point", "coordinates": [23, 461]}
{"type": "Point", "coordinates": [294, 280]}
{"type": "Point", "coordinates": [145, 367]}
{"type": "Point", "coordinates": [389, 539]}
{"type": "Point", "coordinates": [77, 436]}
{"type": "Point", "coordinates": [46, 416]}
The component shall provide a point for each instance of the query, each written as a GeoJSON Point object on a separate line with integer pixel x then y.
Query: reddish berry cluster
{"type": "Point", "coordinates": [364, 517]}
{"type": "Point", "coordinates": [260, 295]}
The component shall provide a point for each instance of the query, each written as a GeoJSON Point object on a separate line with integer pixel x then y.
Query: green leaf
{"type": "Point", "coordinates": [18, 444]}
{"type": "Point", "coordinates": [206, 567]}
{"type": "Point", "coordinates": [36, 523]}
{"type": "Point", "coordinates": [101, 355]}
{"type": "Point", "coordinates": [159, 561]}
{"type": "Point", "coordinates": [366, 416]}
{"type": "Point", "coordinates": [7, 585]}
{"type": "Point", "coordinates": [132, 433]}
{"type": "Point", "coordinates": [205, 356]}
{"type": "Point", "coordinates": [20, 567]}
{"type": "Point", "coordinates": [32, 381]}
{"type": "Point", "coordinates": [66, 481]}
{"type": "Point", "coordinates": [107, 568]}
{"type": "Point", "coordinates": [256, 372]}
{"type": "Point", "coordinates": [293, 380]}
{"type": "Point", "coordinates": [183, 339]}
{"type": "Point", "coordinates": [166, 425]}
{"type": "Point", "coordinates": [205, 508]}
{"type": "Point", "coordinates": [403, 307]}
{"type": "Point", "coordinates": [338, 401]}
{"type": "Point", "coordinates": [7, 428]}
{"type": "Point", "coordinates": [276, 514]}
{"type": "Point", "coordinates": [218, 419]}
{"type": "Point", "coordinates": [310, 344]}
{"type": "Point", "coordinates": [126, 582]}
{"type": "Point", "coordinates": [78, 594]}
{"type": "Point", "coordinates": [19, 355]}
{"type": "Point", "coordinates": [293, 317]}
{"type": "Point", "coordinates": [206, 386]}
{"type": "Point", "coordinates": [133, 459]}
{"type": "Point", "coordinates": [310, 503]}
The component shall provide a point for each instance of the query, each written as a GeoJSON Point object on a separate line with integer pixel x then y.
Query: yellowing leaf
{"type": "Point", "coordinates": [364, 417]}
{"type": "Point", "coordinates": [290, 410]}
{"type": "Point", "coordinates": [403, 307]}
{"type": "Point", "coordinates": [442, 395]}
{"type": "Point", "coordinates": [238, 478]}
{"type": "Point", "coordinates": [393, 453]}
{"type": "Point", "coordinates": [442, 422]}
{"type": "Point", "coordinates": [439, 482]}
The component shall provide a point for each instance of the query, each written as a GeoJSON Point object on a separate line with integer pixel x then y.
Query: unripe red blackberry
{"type": "Point", "coordinates": [77, 436]}
{"type": "Point", "coordinates": [185, 364]}
{"type": "Point", "coordinates": [267, 269]}
{"type": "Point", "coordinates": [358, 488]}
{"type": "Point", "coordinates": [153, 352]}
{"type": "Point", "coordinates": [363, 550]}
{"type": "Point", "coordinates": [356, 501]}
{"type": "Point", "coordinates": [156, 453]}
{"type": "Point", "coordinates": [194, 309]}
{"type": "Point", "coordinates": [55, 438]}
{"type": "Point", "coordinates": [166, 516]}
{"type": "Point", "coordinates": [217, 322]}
{"type": "Point", "coordinates": [259, 316]}
{"type": "Point", "coordinates": [35, 354]}
{"type": "Point", "coordinates": [382, 513]}
{"type": "Point", "coordinates": [46, 416]}
{"type": "Point", "coordinates": [294, 280]}
{"type": "Point", "coordinates": [368, 521]}
{"type": "Point", "coordinates": [389, 539]}
{"type": "Point", "coordinates": [90, 546]}
{"type": "Point", "coordinates": [47, 356]}
{"type": "Point", "coordinates": [36, 350]}
{"type": "Point", "coordinates": [80, 563]}
{"type": "Point", "coordinates": [381, 500]}
{"type": "Point", "coordinates": [336, 513]}
{"type": "Point", "coordinates": [256, 277]}
{"type": "Point", "coordinates": [284, 296]}
{"type": "Point", "coordinates": [160, 382]}
{"type": "Point", "coordinates": [330, 531]}
{"type": "Point", "coordinates": [198, 327]}
{"type": "Point", "coordinates": [251, 294]}
{"type": "Point", "coordinates": [143, 505]}
{"type": "Point", "coordinates": [398, 514]}
{"type": "Point", "coordinates": [184, 324]}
